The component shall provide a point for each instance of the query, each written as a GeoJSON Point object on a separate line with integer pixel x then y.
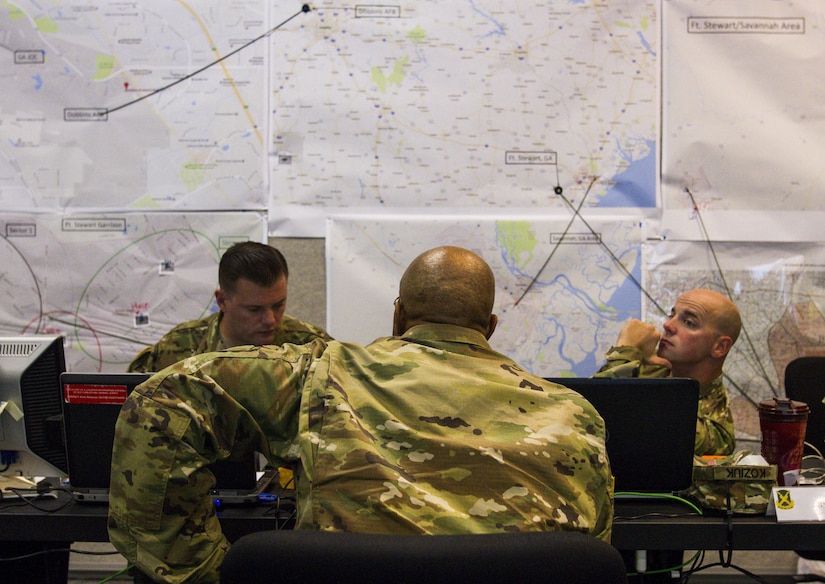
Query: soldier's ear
{"type": "Point", "coordinates": [220, 298]}
{"type": "Point", "coordinates": [491, 326]}
{"type": "Point", "coordinates": [399, 319]}
{"type": "Point", "coordinates": [722, 346]}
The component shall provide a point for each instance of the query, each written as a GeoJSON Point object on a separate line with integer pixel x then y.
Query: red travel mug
{"type": "Point", "coordinates": [783, 423]}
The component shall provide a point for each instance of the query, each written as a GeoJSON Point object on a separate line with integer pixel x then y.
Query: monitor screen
{"type": "Point", "coordinates": [31, 430]}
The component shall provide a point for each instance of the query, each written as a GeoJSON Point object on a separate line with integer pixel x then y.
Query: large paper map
{"type": "Point", "coordinates": [113, 283]}
{"type": "Point", "coordinates": [780, 292]}
{"type": "Point", "coordinates": [743, 120]}
{"type": "Point", "coordinates": [555, 319]}
{"type": "Point", "coordinates": [572, 312]}
{"type": "Point", "coordinates": [80, 124]}
{"type": "Point", "coordinates": [435, 105]}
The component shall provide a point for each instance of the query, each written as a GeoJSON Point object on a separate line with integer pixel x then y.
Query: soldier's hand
{"type": "Point", "coordinates": [641, 335]}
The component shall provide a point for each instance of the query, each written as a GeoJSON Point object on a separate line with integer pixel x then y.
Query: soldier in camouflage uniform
{"type": "Point", "coordinates": [429, 431]}
{"type": "Point", "coordinates": [252, 298]}
{"type": "Point", "coordinates": [694, 343]}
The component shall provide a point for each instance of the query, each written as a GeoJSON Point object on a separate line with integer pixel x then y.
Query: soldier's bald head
{"type": "Point", "coordinates": [448, 285]}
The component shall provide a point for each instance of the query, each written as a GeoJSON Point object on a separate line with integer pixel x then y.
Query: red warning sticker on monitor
{"type": "Point", "coordinates": [87, 393]}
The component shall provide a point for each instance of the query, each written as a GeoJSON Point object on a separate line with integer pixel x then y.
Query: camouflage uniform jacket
{"type": "Point", "coordinates": [430, 433]}
{"type": "Point", "coordinates": [203, 336]}
{"type": "Point", "coordinates": [714, 422]}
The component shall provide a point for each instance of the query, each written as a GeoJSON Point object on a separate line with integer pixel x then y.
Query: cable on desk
{"type": "Point", "coordinates": [725, 556]}
{"type": "Point", "coordinates": [729, 522]}
{"type": "Point", "coordinates": [666, 496]}
{"type": "Point", "coordinates": [698, 559]}
{"type": "Point", "coordinates": [686, 575]}
{"type": "Point", "coordinates": [276, 510]}
{"type": "Point", "coordinates": [57, 551]}
{"type": "Point", "coordinates": [815, 474]}
{"type": "Point", "coordinates": [116, 574]}
{"type": "Point", "coordinates": [44, 488]}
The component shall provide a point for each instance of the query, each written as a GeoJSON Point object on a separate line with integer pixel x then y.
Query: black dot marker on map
{"type": "Point", "coordinates": [306, 8]}
{"type": "Point", "coordinates": [558, 190]}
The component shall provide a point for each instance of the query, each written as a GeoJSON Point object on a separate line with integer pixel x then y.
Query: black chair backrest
{"type": "Point", "coordinates": [805, 382]}
{"type": "Point", "coordinates": [308, 557]}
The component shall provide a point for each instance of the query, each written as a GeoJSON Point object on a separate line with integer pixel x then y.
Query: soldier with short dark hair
{"type": "Point", "coordinates": [429, 431]}
{"type": "Point", "coordinates": [252, 294]}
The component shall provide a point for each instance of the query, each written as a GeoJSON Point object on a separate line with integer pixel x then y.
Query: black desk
{"type": "Point", "coordinates": [62, 520]}
{"type": "Point", "coordinates": [656, 526]}
{"type": "Point", "coordinates": [57, 523]}
{"type": "Point", "coordinates": [673, 528]}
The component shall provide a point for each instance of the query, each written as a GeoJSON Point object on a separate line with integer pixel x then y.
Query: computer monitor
{"type": "Point", "coordinates": [31, 443]}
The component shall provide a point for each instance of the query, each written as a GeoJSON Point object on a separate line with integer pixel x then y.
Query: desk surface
{"type": "Point", "coordinates": [651, 526]}
{"type": "Point", "coordinates": [637, 525]}
{"type": "Point", "coordinates": [62, 519]}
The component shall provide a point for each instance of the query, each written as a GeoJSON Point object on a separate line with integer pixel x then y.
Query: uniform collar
{"type": "Point", "coordinates": [446, 332]}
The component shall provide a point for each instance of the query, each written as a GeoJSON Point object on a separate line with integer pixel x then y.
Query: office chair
{"type": "Point", "coordinates": [805, 382]}
{"type": "Point", "coordinates": [307, 557]}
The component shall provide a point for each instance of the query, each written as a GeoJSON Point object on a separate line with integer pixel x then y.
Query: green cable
{"type": "Point", "coordinates": [116, 574]}
{"type": "Point", "coordinates": [661, 496]}
{"type": "Point", "coordinates": [670, 498]}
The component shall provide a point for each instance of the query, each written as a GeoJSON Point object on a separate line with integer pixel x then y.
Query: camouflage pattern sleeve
{"type": "Point", "coordinates": [203, 336]}
{"type": "Point", "coordinates": [186, 339]}
{"type": "Point", "coordinates": [714, 425]}
{"type": "Point", "coordinates": [142, 363]}
{"type": "Point", "coordinates": [298, 332]}
{"type": "Point", "coordinates": [206, 408]}
{"type": "Point", "coordinates": [419, 436]}
{"type": "Point", "coordinates": [432, 433]}
{"type": "Point", "coordinates": [626, 361]}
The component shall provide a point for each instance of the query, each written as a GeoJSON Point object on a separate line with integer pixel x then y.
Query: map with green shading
{"type": "Point", "coordinates": [84, 128]}
{"type": "Point", "coordinates": [563, 325]}
{"type": "Point", "coordinates": [112, 283]}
